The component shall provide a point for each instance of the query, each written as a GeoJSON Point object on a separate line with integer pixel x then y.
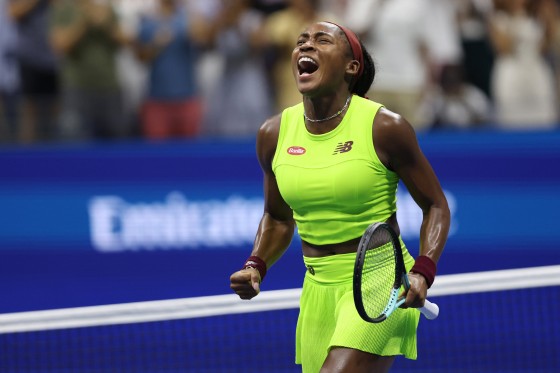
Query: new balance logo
{"type": "Point", "coordinates": [343, 147]}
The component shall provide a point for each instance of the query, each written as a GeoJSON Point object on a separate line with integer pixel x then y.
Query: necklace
{"type": "Point", "coordinates": [332, 116]}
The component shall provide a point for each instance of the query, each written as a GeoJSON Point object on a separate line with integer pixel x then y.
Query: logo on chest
{"type": "Point", "coordinates": [343, 147]}
{"type": "Point", "coordinates": [296, 150]}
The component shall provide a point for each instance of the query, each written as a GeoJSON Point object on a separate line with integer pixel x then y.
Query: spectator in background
{"type": "Point", "coordinates": [455, 103]}
{"type": "Point", "coordinates": [478, 55]}
{"type": "Point", "coordinates": [9, 76]}
{"type": "Point", "coordinates": [236, 35]}
{"type": "Point", "coordinates": [87, 35]}
{"type": "Point", "coordinates": [131, 71]}
{"type": "Point", "coordinates": [38, 70]}
{"type": "Point", "coordinates": [409, 40]}
{"type": "Point", "coordinates": [550, 11]}
{"type": "Point", "coordinates": [168, 42]}
{"type": "Point", "coordinates": [210, 61]}
{"type": "Point", "coordinates": [522, 81]}
{"type": "Point", "coordinates": [280, 31]}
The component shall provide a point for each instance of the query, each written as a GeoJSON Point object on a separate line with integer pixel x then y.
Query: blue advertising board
{"type": "Point", "coordinates": [118, 222]}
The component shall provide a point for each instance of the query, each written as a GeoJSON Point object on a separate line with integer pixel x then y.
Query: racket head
{"type": "Point", "coordinates": [378, 273]}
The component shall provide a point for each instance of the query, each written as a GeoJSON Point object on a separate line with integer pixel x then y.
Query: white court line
{"type": "Point", "coordinates": [185, 308]}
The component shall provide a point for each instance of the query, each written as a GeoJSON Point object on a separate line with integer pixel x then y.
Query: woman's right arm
{"type": "Point", "coordinates": [276, 227]}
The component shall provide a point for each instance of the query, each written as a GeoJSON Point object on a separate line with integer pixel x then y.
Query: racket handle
{"type": "Point", "coordinates": [430, 310]}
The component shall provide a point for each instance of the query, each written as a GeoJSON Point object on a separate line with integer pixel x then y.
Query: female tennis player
{"type": "Point", "coordinates": [331, 166]}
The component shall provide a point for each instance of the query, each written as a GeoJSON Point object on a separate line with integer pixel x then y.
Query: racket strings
{"type": "Point", "coordinates": [378, 274]}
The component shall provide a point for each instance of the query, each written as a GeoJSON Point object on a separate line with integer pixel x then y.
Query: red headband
{"type": "Point", "coordinates": [355, 45]}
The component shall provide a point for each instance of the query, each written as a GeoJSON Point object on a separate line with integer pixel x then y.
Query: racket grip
{"type": "Point", "coordinates": [430, 310]}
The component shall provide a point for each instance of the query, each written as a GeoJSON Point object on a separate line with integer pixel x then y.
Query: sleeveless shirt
{"type": "Point", "coordinates": [334, 182]}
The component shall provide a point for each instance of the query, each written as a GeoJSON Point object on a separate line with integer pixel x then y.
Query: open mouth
{"type": "Point", "coordinates": [307, 66]}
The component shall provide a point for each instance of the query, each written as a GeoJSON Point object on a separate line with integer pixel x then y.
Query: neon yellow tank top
{"type": "Point", "coordinates": [334, 182]}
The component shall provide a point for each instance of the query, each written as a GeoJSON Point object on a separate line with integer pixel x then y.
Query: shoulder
{"type": "Point", "coordinates": [271, 126]}
{"type": "Point", "coordinates": [267, 138]}
{"type": "Point", "coordinates": [389, 121]}
{"type": "Point", "coordinates": [393, 136]}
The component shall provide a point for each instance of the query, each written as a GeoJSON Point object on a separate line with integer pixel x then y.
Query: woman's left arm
{"type": "Point", "coordinates": [398, 148]}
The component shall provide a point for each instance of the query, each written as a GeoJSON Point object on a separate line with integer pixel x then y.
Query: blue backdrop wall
{"type": "Point", "coordinates": [109, 223]}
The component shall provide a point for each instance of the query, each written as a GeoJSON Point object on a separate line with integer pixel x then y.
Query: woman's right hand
{"type": "Point", "coordinates": [246, 283]}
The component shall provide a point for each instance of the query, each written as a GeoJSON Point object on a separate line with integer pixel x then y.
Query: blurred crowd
{"type": "Point", "coordinates": [74, 70]}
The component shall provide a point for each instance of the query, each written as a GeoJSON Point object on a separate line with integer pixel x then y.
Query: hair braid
{"type": "Point", "coordinates": [362, 85]}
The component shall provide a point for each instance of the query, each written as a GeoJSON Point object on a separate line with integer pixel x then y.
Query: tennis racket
{"type": "Point", "coordinates": [379, 274]}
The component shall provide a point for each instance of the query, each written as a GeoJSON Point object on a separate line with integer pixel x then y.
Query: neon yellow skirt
{"type": "Point", "coordinates": [328, 317]}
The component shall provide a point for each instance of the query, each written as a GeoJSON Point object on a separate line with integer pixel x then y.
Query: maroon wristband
{"type": "Point", "coordinates": [425, 267]}
{"type": "Point", "coordinates": [257, 263]}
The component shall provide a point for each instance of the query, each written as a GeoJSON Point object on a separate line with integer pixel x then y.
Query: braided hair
{"type": "Point", "coordinates": [362, 85]}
